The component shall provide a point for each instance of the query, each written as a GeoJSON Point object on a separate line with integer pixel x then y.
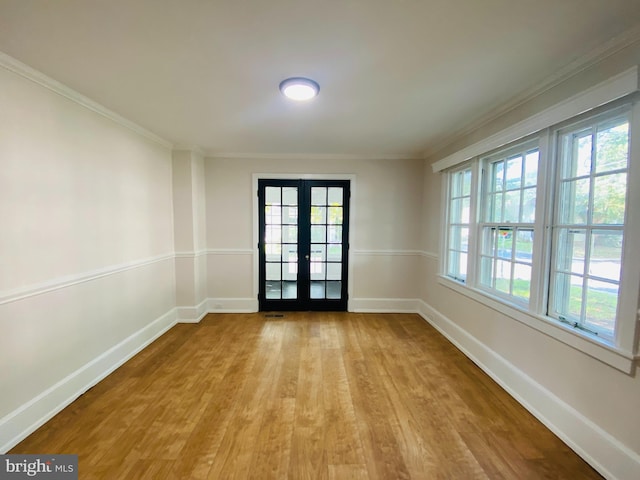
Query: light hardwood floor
{"type": "Point", "coordinates": [305, 396]}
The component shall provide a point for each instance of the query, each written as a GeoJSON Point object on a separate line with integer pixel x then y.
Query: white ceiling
{"type": "Point", "coordinates": [397, 77]}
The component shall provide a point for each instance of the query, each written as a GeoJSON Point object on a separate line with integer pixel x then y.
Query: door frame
{"type": "Point", "coordinates": [301, 176]}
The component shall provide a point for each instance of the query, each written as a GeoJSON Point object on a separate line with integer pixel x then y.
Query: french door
{"type": "Point", "coordinates": [303, 244]}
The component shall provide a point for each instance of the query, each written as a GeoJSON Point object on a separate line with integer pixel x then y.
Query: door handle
{"type": "Point", "coordinates": [307, 257]}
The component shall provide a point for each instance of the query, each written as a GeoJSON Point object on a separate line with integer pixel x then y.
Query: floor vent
{"type": "Point", "coordinates": [274, 315]}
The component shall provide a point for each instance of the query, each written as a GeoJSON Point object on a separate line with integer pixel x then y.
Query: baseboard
{"type": "Point", "coordinates": [603, 452]}
{"type": "Point", "coordinates": [383, 305]}
{"type": "Point", "coordinates": [22, 422]}
{"type": "Point", "coordinates": [232, 305]}
{"type": "Point", "coordinates": [193, 314]}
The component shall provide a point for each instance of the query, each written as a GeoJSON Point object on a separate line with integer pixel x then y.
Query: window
{"type": "Point", "coordinates": [588, 231]}
{"type": "Point", "coordinates": [507, 226]}
{"type": "Point", "coordinates": [458, 225]}
{"type": "Point", "coordinates": [542, 226]}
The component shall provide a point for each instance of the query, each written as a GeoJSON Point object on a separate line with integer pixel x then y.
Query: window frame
{"type": "Point", "coordinates": [619, 351]}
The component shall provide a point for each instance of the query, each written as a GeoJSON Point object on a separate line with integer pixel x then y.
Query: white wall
{"type": "Point", "coordinates": [86, 250]}
{"type": "Point", "coordinates": [589, 404]}
{"type": "Point", "coordinates": [385, 232]}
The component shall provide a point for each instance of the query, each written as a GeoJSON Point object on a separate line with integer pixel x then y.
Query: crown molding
{"type": "Point", "coordinates": [13, 65]}
{"type": "Point", "coordinates": [310, 156]}
{"type": "Point", "coordinates": [595, 56]}
{"type": "Point", "coordinates": [190, 148]}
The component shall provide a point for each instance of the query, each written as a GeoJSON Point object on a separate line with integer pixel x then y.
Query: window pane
{"type": "Point", "coordinates": [568, 296]}
{"type": "Point", "coordinates": [612, 147]}
{"type": "Point", "coordinates": [524, 245]}
{"type": "Point", "coordinates": [497, 178]}
{"type": "Point", "coordinates": [466, 183]}
{"type": "Point", "coordinates": [512, 206]}
{"type": "Point", "coordinates": [489, 240]}
{"type": "Point", "coordinates": [319, 215]}
{"type": "Point", "coordinates": [577, 155]}
{"type": "Point", "coordinates": [529, 206]}
{"type": "Point", "coordinates": [514, 172]}
{"type": "Point", "coordinates": [318, 195]}
{"type": "Point", "coordinates": [272, 196]}
{"type": "Point", "coordinates": [522, 281]}
{"type": "Point", "coordinates": [289, 195]}
{"type": "Point", "coordinates": [335, 215]}
{"type": "Point", "coordinates": [335, 196]}
{"type": "Point", "coordinates": [460, 210]}
{"type": "Point", "coordinates": [486, 271]}
{"type": "Point", "coordinates": [505, 243]}
{"type": "Point", "coordinates": [574, 202]}
{"type": "Point", "coordinates": [602, 303]}
{"type": "Point", "coordinates": [531, 168]}
{"type": "Point", "coordinates": [318, 252]}
{"type": "Point", "coordinates": [495, 207]}
{"type": "Point", "coordinates": [609, 199]}
{"type": "Point", "coordinates": [571, 248]}
{"type": "Point", "coordinates": [272, 215]}
{"type": "Point", "coordinates": [606, 254]}
{"type": "Point", "coordinates": [459, 238]}
{"type": "Point", "coordinates": [503, 276]}
{"type": "Point", "coordinates": [457, 266]}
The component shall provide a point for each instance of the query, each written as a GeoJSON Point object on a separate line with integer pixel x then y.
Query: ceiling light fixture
{"type": "Point", "coordinates": [299, 88]}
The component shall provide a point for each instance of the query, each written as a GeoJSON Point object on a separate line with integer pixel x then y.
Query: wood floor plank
{"type": "Point", "coordinates": [307, 395]}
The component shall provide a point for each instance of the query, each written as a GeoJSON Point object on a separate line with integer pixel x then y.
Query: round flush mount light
{"type": "Point", "coordinates": [299, 88]}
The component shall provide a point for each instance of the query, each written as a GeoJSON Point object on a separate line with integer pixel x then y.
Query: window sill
{"type": "Point", "coordinates": [584, 342]}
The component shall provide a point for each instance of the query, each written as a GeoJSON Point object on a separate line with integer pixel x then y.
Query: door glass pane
{"type": "Point", "coordinates": [334, 289]}
{"type": "Point", "coordinates": [273, 234]}
{"type": "Point", "coordinates": [290, 234]}
{"type": "Point", "coordinates": [273, 252]}
{"type": "Point", "coordinates": [317, 270]}
{"type": "Point", "coordinates": [335, 215]}
{"type": "Point", "coordinates": [335, 196]}
{"type": "Point", "coordinates": [318, 233]}
{"type": "Point", "coordinates": [290, 271]}
{"type": "Point", "coordinates": [335, 234]}
{"type": "Point", "coordinates": [334, 271]}
{"type": "Point", "coordinates": [289, 290]}
{"type": "Point", "coordinates": [334, 252]}
{"type": "Point", "coordinates": [317, 289]}
{"type": "Point", "coordinates": [290, 253]}
{"type": "Point", "coordinates": [272, 196]}
{"type": "Point", "coordinates": [273, 271]}
{"type": "Point", "coordinates": [318, 252]}
{"type": "Point", "coordinates": [289, 195]}
{"type": "Point", "coordinates": [318, 215]}
{"type": "Point", "coordinates": [273, 289]}
{"type": "Point", "coordinates": [273, 214]}
{"type": "Point", "coordinates": [290, 215]}
{"type": "Point", "coordinates": [318, 195]}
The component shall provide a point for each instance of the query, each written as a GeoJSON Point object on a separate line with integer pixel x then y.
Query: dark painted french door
{"type": "Point", "coordinates": [303, 244]}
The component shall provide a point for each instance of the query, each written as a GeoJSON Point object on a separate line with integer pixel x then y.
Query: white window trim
{"type": "Point", "coordinates": [622, 352]}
